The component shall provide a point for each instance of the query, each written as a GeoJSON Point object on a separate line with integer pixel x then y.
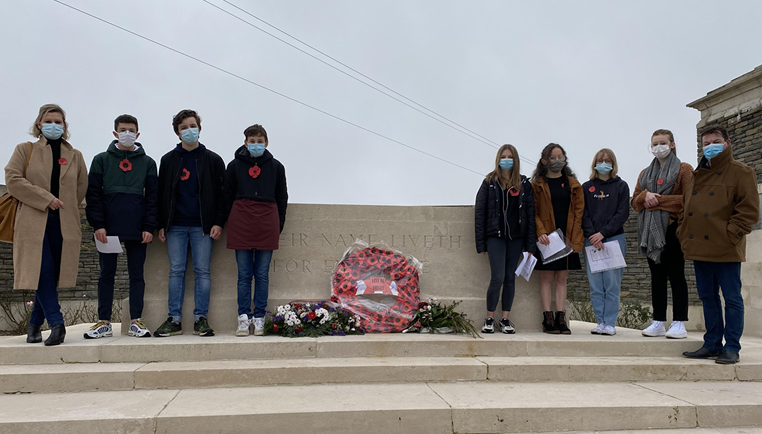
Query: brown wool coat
{"type": "Point", "coordinates": [33, 193]}
{"type": "Point", "coordinates": [720, 205]}
{"type": "Point", "coordinates": [543, 210]}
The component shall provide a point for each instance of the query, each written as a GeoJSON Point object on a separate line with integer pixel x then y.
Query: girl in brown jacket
{"type": "Point", "coordinates": [559, 204]}
{"type": "Point", "coordinates": [658, 198]}
{"type": "Point", "coordinates": [47, 234]}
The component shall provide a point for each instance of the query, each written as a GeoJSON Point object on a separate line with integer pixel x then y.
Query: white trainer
{"type": "Point", "coordinates": [101, 329]}
{"type": "Point", "coordinates": [243, 325]}
{"type": "Point", "coordinates": [597, 329]}
{"type": "Point", "coordinates": [677, 330]}
{"type": "Point", "coordinates": [655, 329]}
{"type": "Point", "coordinates": [139, 329]}
{"type": "Point", "coordinates": [608, 330]}
{"type": "Point", "coordinates": [259, 326]}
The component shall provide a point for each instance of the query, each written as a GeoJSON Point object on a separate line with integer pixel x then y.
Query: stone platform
{"type": "Point", "coordinates": [315, 238]}
{"type": "Point", "coordinates": [393, 383]}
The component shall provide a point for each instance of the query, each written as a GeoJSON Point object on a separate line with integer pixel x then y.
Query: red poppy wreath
{"type": "Point", "coordinates": [371, 270]}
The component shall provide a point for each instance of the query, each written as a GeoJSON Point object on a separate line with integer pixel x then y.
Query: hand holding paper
{"type": "Point", "coordinates": [112, 245]}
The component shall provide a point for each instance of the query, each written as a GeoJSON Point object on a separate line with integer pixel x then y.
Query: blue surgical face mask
{"type": "Point", "coordinates": [190, 136]}
{"type": "Point", "coordinates": [604, 168]}
{"type": "Point", "coordinates": [52, 131]}
{"type": "Point", "coordinates": [506, 163]}
{"type": "Point", "coordinates": [713, 150]}
{"type": "Point", "coordinates": [256, 149]}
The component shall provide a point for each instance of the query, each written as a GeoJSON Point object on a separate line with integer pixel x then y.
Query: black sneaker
{"type": "Point", "coordinates": [489, 325]}
{"type": "Point", "coordinates": [507, 327]}
{"type": "Point", "coordinates": [168, 328]}
{"type": "Point", "coordinates": [201, 327]}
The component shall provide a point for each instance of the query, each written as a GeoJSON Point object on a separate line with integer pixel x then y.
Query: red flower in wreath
{"type": "Point", "coordinates": [298, 329]}
{"type": "Point", "coordinates": [185, 175]}
{"type": "Point", "coordinates": [125, 165]}
{"type": "Point", "coordinates": [311, 315]}
{"type": "Point", "coordinates": [255, 171]}
{"type": "Point", "coordinates": [660, 181]}
{"type": "Point", "coordinates": [275, 327]}
{"type": "Point", "coordinates": [591, 189]}
{"type": "Point", "coordinates": [62, 161]}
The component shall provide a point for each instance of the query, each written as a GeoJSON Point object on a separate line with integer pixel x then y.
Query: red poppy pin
{"type": "Point", "coordinates": [125, 165]}
{"type": "Point", "coordinates": [563, 185]}
{"type": "Point", "coordinates": [255, 171]}
{"type": "Point", "coordinates": [591, 189]}
{"type": "Point", "coordinates": [513, 191]}
{"type": "Point", "coordinates": [62, 161]}
{"type": "Point", "coordinates": [185, 175]}
{"type": "Point", "coordinates": [660, 181]}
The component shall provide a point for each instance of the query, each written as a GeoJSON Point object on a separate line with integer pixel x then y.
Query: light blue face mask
{"type": "Point", "coordinates": [604, 168]}
{"type": "Point", "coordinates": [190, 136]}
{"type": "Point", "coordinates": [713, 150]}
{"type": "Point", "coordinates": [506, 163]}
{"type": "Point", "coordinates": [52, 131]}
{"type": "Point", "coordinates": [256, 149]}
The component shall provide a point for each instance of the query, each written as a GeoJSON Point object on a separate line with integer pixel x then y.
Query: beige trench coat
{"type": "Point", "coordinates": [33, 193]}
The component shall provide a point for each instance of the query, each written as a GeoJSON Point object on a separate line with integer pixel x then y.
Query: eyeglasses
{"type": "Point", "coordinates": [559, 158]}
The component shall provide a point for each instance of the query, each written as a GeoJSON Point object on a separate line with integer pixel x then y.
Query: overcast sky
{"type": "Point", "coordinates": [585, 74]}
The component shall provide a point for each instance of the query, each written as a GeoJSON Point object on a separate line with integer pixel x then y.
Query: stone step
{"type": "Point", "coordinates": [15, 350]}
{"type": "Point", "coordinates": [81, 377]}
{"type": "Point", "coordinates": [469, 407]}
{"type": "Point", "coordinates": [732, 430]}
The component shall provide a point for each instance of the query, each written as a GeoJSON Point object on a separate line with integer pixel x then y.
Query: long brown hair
{"type": "Point", "coordinates": [594, 173]}
{"type": "Point", "coordinates": [542, 168]}
{"type": "Point", "coordinates": [507, 178]}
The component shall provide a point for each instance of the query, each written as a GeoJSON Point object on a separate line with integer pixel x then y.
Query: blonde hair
{"type": "Point", "coordinates": [669, 134]}
{"type": "Point", "coordinates": [49, 108]}
{"type": "Point", "coordinates": [507, 178]}
{"type": "Point", "coordinates": [594, 173]}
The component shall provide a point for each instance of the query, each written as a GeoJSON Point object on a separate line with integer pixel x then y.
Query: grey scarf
{"type": "Point", "coordinates": [652, 225]}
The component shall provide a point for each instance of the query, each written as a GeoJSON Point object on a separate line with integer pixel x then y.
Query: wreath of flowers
{"type": "Point", "coordinates": [373, 261]}
{"type": "Point", "coordinates": [125, 165]}
{"type": "Point", "coordinates": [313, 319]}
{"type": "Point", "coordinates": [254, 171]}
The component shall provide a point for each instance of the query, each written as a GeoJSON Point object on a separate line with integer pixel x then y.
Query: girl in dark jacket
{"type": "Point", "coordinates": [504, 227]}
{"type": "Point", "coordinates": [256, 198]}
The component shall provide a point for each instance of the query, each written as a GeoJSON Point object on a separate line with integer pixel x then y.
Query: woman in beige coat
{"type": "Point", "coordinates": [47, 234]}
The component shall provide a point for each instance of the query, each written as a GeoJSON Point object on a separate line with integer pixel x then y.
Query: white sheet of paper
{"type": "Point", "coordinates": [526, 266]}
{"type": "Point", "coordinates": [557, 244]}
{"type": "Point", "coordinates": [112, 245]}
{"type": "Point", "coordinates": [608, 258]}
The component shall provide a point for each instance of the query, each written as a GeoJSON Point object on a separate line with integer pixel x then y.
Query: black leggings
{"type": "Point", "coordinates": [504, 255]}
{"type": "Point", "coordinates": [672, 269]}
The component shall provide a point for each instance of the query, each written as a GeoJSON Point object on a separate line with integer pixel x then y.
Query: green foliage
{"type": "Point", "coordinates": [632, 314]}
{"type": "Point", "coordinates": [436, 317]}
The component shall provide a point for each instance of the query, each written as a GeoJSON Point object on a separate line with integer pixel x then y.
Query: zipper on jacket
{"type": "Point", "coordinates": [200, 209]}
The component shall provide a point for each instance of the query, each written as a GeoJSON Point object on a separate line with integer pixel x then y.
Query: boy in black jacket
{"type": "Point", "coordinates": [191, 213]}
{"type": "Point", "coordinates": [122, 201]}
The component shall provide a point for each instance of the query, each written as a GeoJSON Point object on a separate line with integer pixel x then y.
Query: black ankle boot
{"type": "Point", "coordinates": [561, 323]}
{"type": "Point", "coordinates": [57, 335]}
{"type": "Point", "coordinates": [548, 323]}
{"type": "Point", "coordinates": [33, 334]}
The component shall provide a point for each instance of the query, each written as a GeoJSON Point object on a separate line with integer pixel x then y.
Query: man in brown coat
{"type": "Point", "coordinates": [720, 205]}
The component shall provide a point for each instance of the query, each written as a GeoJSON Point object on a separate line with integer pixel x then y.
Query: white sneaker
{"type": "Point", "coordinates": [677, 330]}
{"type": "Point", "coordinates": [243, 325]}
{"type": "Point", "coordinates": [99, 330]}
{"type": "Point", "coordinates": [655, 329]}
{"type": "Point", "coordinates": [139, 329]}
{"type": "Point", "coordinates": [608, 330]}
{"type": "Point", "coordinates": [259, 326]}
{"type": "Point", "coordinates": [597, 329]}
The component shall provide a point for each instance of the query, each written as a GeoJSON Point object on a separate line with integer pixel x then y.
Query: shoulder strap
{"type": "Point", "coordinates": [28, 157]}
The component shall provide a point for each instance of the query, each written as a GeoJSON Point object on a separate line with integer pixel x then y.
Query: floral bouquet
{"type": "Point", "coordinates": [437, 317]}
{"type": "Point", "coordinates": [297, 319]}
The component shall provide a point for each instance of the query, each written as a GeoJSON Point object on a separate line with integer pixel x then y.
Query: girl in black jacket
{"type": "Point", "coordinates": [504, 227]}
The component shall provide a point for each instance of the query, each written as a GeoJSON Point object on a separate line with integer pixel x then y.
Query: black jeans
{"type": "Point", "coordinates": [136, 258]}
{"type": "Point", "coordinates": [672, 269]}
{"type": "Point", "coordinates": [504, 255]}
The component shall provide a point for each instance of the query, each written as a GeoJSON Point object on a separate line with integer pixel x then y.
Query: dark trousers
{"type": "Point", "coordinates": [46, 297]}
{"type": "Point", "coordinates": [136, 258]}
{"type": "Point", "coordinates": [710, 277]}
{"type": "Point", "coordinates": [672, 269]}
{"type": "Point", "coordinates": [504, 255]}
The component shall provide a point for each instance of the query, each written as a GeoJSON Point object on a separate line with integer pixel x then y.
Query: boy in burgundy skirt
{"type": "Point", "coordinates": [256, 198]}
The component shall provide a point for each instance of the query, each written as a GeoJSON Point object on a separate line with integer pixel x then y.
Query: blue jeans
{"type": "Point", "coordinates": [710, 277]}
{"type": "Point", "coordinates": [46, 297]}
{"type": "Point", "coordinates": [605, 286]}
{"type": "Point", "coordinates": [178, 240]}
{"type": "Point", "coordinates": [253, 263]}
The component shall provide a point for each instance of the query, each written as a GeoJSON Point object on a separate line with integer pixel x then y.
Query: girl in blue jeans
{"type": "Point", "coordinates": [256, 198]}
{"type": "Point", "coordinates": [607, 207]}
